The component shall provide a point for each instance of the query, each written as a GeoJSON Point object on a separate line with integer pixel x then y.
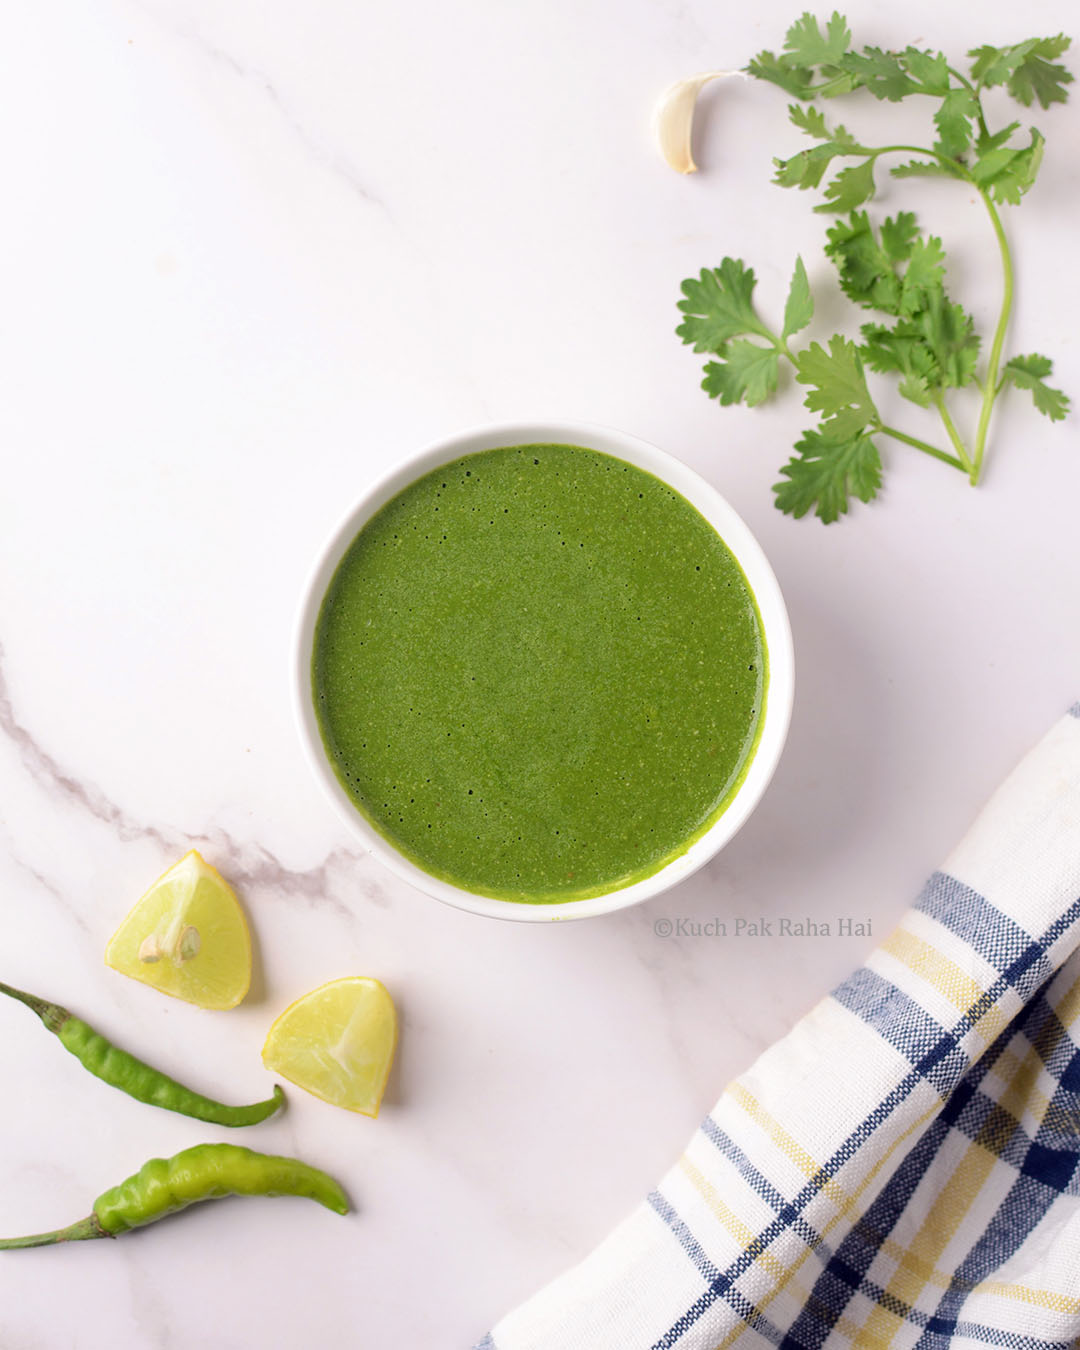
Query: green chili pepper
{"type": "Point", "coordinates": [205, 1172]}
{"type": "Point", "coordinates": [131, 1075]}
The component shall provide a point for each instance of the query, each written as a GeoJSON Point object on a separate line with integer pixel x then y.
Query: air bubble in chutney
{"type": "Point", "coordinates": [562, 721]}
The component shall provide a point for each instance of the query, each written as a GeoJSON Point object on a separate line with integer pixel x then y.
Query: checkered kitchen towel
{"type": "Point", "coordinates": [902, 1168]}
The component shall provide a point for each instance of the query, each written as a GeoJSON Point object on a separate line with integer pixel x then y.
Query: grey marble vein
{"type": "Point", "coordinates": [341, 167]}
{"type": "Point", "coordinates": [49, 774]}
{"type": "Point", "coordinates": [330, 159]}
{"type": "Point", "coordinates": [49, 887]}
{"type": "Point", "coordinates": [250, 862]}
{"type": "Point", "coordinates": [253, 865]}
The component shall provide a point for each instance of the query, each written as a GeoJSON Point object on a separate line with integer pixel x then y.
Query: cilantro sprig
{"type": "Point", "coordinates": [919, 334]}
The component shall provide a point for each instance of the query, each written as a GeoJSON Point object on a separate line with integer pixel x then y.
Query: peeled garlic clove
{"type": "Point", "coordinates": [674, 118]}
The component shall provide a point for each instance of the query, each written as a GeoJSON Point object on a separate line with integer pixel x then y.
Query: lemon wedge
{"type": "Point", "coordinates": [187, 937]}
{"type": "Point", "coordinates": [337, 1043]}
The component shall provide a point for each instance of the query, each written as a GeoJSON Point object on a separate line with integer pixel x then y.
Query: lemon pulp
{"type": "Point", "coordinates": [337, 1043]}
{"type": "Point", "coordinates": [187, 937]}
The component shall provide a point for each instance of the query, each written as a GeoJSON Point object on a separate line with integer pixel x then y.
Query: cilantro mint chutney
{"type": "Point", "coordinates": [539, 673]}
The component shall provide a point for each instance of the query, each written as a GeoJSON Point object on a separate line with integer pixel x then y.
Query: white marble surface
{"type": "Point", "coordinates": [252, 254]}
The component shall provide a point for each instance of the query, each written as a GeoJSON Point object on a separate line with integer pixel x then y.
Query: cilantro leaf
{"type": "Point", "coordinates": [837, 385]}
{"type": "Point", "coordinates": [805, 169]}
{"type": "Point", "coordinates": [836, 82]}
{"type": "Point", "coordinates": [925, 272]}
{"type": "Point", "coordinates": [929, 69]}
{"type": "Point", "coordinates": [793, 79]}
{"type": "Point", "coordinates": [995, 65]}
{"type": "Point", "coordinates": [870, 274]}
{"type": "Point", "coordinates": [924, 168]}
{"type": "Point", "coordinates": [948, 332]}
{"type": "Point", "coordinates": [1026, 68]}
{"type": "Point", "coordinates": [987, 142]}
{"type": "Point", "coordinates": [799, 309]}
{"type": "Point", "coordinates": [1008, 172]}
{"type": "Point", "coordinates": [867, 264]}
{"type": "Point", "coordinates": [898, 236]}
{"type": "Point", "coordinates": [827, 468]}
{"type": "Point", "coordinates": [934, 349]}
{"type": "Point", "coordinates": [811, 120]}
{"type": "Point", "coordinates": [891, 350]}
{"type": "Point", "coordinates": [953, 120]}
{"type": "Point", "coordinates": [719, 306]}
{"type": "Point", "coordinates": [882, 73]}
{"type": "Point", "coordinates": [927, 342]}
{"type": "Point", "coordinates": [808, 52]}
{"type": "Point", "coordinates": [866, 272]}
{"type": "Point", "coordinates": [850, 188]}
{"type": "Point", "coordinates": [1027, 372]}
{"type": "Point", "coordinates": [1036, 78]}
{"type": "Point", "coordinates": [747, 371]}
{"type": "Point", "coordinates": [806, 45]}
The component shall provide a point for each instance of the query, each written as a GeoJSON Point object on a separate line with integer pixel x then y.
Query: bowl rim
{"type": "Point", "coordinates": [735, 534]}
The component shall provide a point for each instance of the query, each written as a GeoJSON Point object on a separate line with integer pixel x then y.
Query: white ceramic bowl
{"type": "Point", "coordinates": [731, 529]}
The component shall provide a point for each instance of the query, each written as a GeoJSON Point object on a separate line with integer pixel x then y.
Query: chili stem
{"type": "Point", "coordinates": [77, 1232]}
{"type": "Point", "coordinates": [51, 1014]}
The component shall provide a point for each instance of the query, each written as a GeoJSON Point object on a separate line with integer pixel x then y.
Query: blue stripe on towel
{"type": "Point", "coordinates": [999, 940]}
{"type": "Point", "coordinates": [903, 1023]}
{"type": "Point", "coordinates": [891, 1202]}
{"type": "Point", "coordinates": [968, 1110]}
{"type": "Point", "coordinates": [689, 1243]}
{"type": "Point", "coordinates": [761, 1185]}
{"type": "Point", "coordinates": [1009, 1339]}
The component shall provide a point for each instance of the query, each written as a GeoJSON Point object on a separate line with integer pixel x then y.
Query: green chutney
{"type": "Point", "coordinates": [539, 673]}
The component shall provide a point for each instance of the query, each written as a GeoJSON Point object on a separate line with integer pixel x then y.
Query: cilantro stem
{"type": "Point", "coordinates": [924, 446]}
{"type": "Point", "coordinates": [961, 78]}
{"type": "Point", "coordinates": [990, 391]}
{"type": "Point", "coordinates": [954, 166]}
{"type": "Point", "coordinates": [953, 434]}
